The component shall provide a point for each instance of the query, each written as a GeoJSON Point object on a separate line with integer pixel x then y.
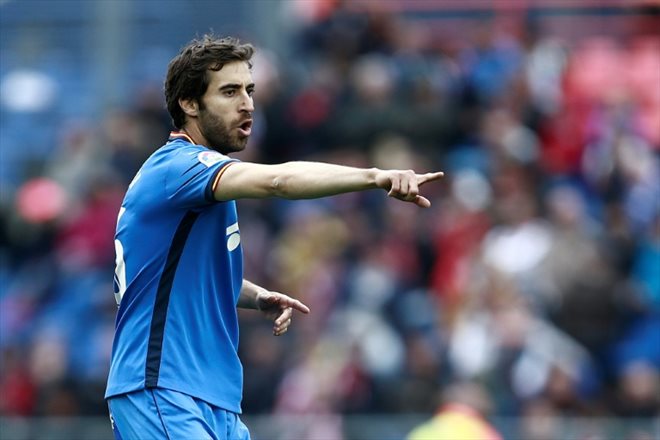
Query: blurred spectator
{"type": "Point", "coordinates": [17, 388]}
{"type": "Point", "coordinates": [460, 417]}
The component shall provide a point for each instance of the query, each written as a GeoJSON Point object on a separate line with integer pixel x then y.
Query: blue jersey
{"type": "Point", "coordinates": [178, 277]}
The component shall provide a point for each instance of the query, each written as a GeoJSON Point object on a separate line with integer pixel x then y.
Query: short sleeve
{"type": "Point", "coordinates": [191, 173]}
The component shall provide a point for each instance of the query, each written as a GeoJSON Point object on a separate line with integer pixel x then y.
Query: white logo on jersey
{"type": "Point", "coordinates": [209, 158]}
{"type": "Point", "coordinates": [233, 237]}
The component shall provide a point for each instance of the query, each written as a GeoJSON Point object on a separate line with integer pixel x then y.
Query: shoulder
{"type": "Point", "coordinates": [187, 152]}
{"type": "Point", "coordinates": [210, 157]}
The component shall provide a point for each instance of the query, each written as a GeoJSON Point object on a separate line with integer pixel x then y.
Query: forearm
{"type": "Point", "coordinates": [292, 180]}
{"type": "Point", "coordinates": [308, 180]}
{"type": "Point", "coordinates": [248, 296]}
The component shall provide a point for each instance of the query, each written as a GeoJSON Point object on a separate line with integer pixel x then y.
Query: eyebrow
{"type": "Point", "coordinates": [233, 86]}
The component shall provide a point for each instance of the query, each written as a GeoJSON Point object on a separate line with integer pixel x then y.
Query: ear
{"type": "Point", "coordinates": [189, 106]}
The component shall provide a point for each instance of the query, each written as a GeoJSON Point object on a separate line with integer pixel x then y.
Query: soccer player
{"type": "Point", "coordinates": [175, 371]}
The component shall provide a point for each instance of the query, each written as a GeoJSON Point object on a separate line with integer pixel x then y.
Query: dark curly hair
{"type": "Point", "coordinates": [187, 73]}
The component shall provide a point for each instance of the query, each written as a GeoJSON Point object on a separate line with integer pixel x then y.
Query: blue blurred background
{"type": "Point", "coordinates": [534, 277]}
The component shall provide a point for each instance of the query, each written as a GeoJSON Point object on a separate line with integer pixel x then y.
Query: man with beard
{"type": "Point", "coordinates": [175, 371]}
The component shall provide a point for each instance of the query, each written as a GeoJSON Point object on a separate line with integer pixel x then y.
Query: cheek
{"type": "Point", "coordinates": [220, 109]}
{"type": "Point", "coordinates": [212, 115]}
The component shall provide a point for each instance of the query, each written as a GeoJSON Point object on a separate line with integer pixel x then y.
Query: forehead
{"type": "Point", "coordinates": [235, 72]}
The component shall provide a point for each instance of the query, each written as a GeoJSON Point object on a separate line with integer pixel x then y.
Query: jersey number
{"type": "Point", "coordinates": [120, 265]}
{"type": "Point", "coordinates": [120, 272]}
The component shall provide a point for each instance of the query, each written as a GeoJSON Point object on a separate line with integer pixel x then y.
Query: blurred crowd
{"type": "Point", "coordinates": [535, 275]}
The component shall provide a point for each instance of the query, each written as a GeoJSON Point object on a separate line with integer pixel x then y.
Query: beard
{"type": "Point", "coordinates": [219, 135]}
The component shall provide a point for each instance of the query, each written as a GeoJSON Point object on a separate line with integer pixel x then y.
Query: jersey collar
{"type": "Point", "coordinates": [180, 135]}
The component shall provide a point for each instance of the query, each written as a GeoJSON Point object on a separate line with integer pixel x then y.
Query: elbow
{"type": "Point", "coordinates": [279, 187]}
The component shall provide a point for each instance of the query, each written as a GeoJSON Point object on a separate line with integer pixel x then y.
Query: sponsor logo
{"type": "Point", "coordinates": [210, 158]}
{"type": "Point", "coordinates": [233, 237]}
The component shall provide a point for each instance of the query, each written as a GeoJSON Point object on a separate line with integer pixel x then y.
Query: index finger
{"type": "Point", "coordinates": [294, 303]}
{"type": "Point", "coordinates": [429, 177]}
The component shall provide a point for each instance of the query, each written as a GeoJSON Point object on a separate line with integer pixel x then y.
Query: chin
{"type": "Point", "coordinates": [236, 147]}
{"type": "Point", "coordinates": [241, 144]}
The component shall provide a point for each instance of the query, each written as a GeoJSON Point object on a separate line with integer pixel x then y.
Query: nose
{"type": "Point", "coordinates": [247, 103]}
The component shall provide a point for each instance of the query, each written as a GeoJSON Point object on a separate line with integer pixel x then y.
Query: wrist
{"type": "Point", "coordinates": [259, 294]}
{"type": "Point", "coordinates": [372, 177]}
{"type": "Point", "coordinates": [249, 297]}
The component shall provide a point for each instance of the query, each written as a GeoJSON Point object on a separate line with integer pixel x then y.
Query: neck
{"type": "Point", "coordinates": [195, 135]}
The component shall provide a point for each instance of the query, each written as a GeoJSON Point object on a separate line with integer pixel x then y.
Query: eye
{"type": "Point", "coordinates": [250, 92]}
{"type": "Point", "coordinates": [229, 93]}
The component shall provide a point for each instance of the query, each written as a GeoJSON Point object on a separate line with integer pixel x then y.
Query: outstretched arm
{"type": "Point", "coordinates": [309, 180]}
{"type": "Point", "coordinates": [274, 305]}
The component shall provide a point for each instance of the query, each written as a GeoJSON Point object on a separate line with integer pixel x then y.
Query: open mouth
{"type": "Point", "coordinates": [245, 128]}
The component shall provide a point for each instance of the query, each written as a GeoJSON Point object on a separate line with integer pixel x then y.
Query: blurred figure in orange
{"type": "Point", "coordinates": [459, 417]}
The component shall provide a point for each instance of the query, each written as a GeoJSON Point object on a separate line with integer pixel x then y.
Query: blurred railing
{"type": "Point", "coordinates": [358, 427]}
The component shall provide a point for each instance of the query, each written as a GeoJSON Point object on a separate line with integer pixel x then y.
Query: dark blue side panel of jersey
{"type": "Point", "coordinates": [155, 346]}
